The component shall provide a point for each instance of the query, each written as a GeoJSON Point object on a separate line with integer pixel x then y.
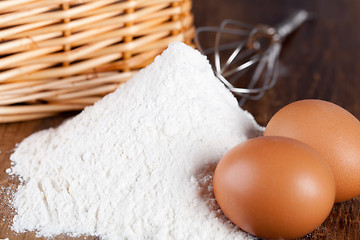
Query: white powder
{"type": "Point", "coordinates": [137, 164]}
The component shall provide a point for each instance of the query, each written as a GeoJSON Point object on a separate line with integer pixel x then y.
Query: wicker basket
{"type": "Point", "coordinates": [62, 55]}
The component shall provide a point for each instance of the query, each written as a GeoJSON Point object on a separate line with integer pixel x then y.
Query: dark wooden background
{"type": "Point", "coordinates": [320, 60]}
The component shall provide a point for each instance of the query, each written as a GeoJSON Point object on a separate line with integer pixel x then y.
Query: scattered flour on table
{"type": "Point", "coordinates": [138, 163]}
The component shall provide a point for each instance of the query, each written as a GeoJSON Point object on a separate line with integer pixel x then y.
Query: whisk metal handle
{"type": "Point", "coordinates": [292, 23]}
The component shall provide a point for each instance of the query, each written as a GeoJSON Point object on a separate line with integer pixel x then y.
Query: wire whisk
{"type": "Point", "coordinates": [252, 56]}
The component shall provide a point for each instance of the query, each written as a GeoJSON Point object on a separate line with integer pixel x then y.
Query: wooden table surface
{"type": "Point", "coordinates": [320, 60]}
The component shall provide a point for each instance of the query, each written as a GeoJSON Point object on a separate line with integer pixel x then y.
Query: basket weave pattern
{"type": "Point", "coordinates": [62, 55]}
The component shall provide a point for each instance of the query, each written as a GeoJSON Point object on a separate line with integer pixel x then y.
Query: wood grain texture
{"type": "Point", "coordinates": [320, 60]}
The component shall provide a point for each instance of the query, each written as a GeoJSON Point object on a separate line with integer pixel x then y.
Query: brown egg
{"type": "Point", "coordinates": [330, 130]}
{"type": "Point", "coordinates": [274, 187]}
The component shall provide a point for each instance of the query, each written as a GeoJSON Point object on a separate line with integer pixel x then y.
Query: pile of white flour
{"type": "Point", "coordinates": [136, 164]}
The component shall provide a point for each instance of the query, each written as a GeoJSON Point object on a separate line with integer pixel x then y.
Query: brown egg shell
{"type": "Point", "coordinates": [330, 130]}
{"type": "Point", "coordinates": [274, 187]}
